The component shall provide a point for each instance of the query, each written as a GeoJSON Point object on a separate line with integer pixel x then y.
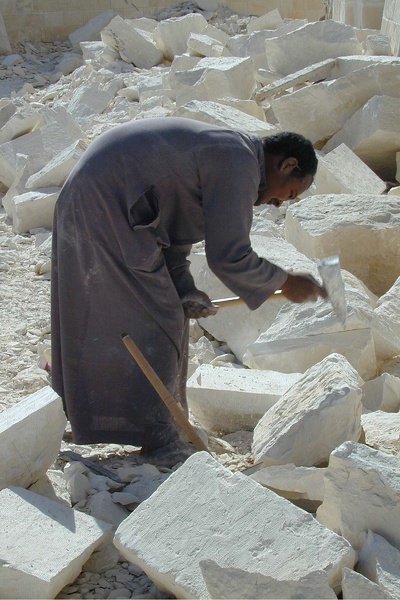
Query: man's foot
{"type": "Point", "coordinates": [169, 455]}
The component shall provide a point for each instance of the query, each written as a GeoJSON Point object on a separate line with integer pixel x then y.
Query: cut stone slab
{"type": "Point", "coordinates": [91, 31]}
{"type": "Point", "coordinates": [227, 400]}
{"type": "Point", "coordinates": [357, 471]}
{"type": "Point", "coordinates": [98, 54]}
{"type": "Point", "coordinates": [377, 45]}
{"type": "Point", "coordinates": [387, 308]}
{"type": "Point", "coordinates": [53, 485]}
{"type": "Point", "coordinates": [373, 133]}
{"type": "Point", "coordinates": [5, 46]}
{"type": "Point", "coordinates": [237, 325]}
{"type": "Point", "coordinates": [203, 45]}
{"type": "Point", "coordinates": [249, 107]}
{"type": "Point", "coordinates": [382, 431]}
{"type": "Point", "coordinates": [66, 538]}
{"type": "Point", "coordinates": [274, 538]}
{"type": "Point", "coordinates": [270, 20]}
{"type": "Point", "coordinates": [380, 562]}
{"type": "Point", "coordinates": [224, 116]}
{"type": "Point", "coordinates": [312, 43]}
{"type": "Point", "coordinates": [101, 506]}
{"type": "Point", "coordinates": [228, 582]}
{"type": "Point", "coordinates": [92, 99]}
{"type": "Point", "coordinates": [57, 170]}
{"type": "Point", "coordinates": [30, 437]}
{"type": "Point", "coordinates": [34, 209]}
{"type": "Point", "coordinates": [316, 72]}
{"type": "Point", "coordinates": [357, 587]}
{"type": "Point", "coordinates": [341, 171]}
{"type": "Point", "coordinates": [171, 35]}
{"type": "Point", "coordinates": [135, 46]}
{"type": "Point", "coordinates": [362, 229]}
{"type": "Point", "coordinates": [213, 78]}
{"type": "Point", "coordinates": [391, 25]}
{"type": "Point", "coordinates": [347, 64]}
{"type": "Point", "coordinates": [382, 393]}
{"type": "Point", "coordinates": [250, 45]}
{"type": "Point", "coordinates": [330, 104]}
{"type": "Point", "coordinates": [319, 412]}
{"type": "Point", "coordinates": [293, 482]}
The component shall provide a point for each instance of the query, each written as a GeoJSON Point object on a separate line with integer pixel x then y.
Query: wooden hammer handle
{"type": "Point", "coordinates": [222, 302]}
{"type": "Point", "coordinates": [173, 406]}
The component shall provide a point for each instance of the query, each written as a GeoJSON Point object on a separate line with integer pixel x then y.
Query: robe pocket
{"type": "Point", "coordinates": [148, 236]}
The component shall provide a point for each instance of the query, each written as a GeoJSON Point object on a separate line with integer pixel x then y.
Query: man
{"type": "Point", "coordinates": [124, 223]}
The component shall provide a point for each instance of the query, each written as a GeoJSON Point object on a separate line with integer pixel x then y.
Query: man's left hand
{"type": "Point", "coordinates": [197, 305]}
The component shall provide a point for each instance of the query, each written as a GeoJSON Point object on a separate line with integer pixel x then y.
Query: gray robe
{"type": "Point", "coordinates": [124, 223]}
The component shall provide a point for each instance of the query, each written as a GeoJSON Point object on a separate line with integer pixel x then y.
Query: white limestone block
{"type": "Point", "coordinates": [52, 485]}
{"type": "Point", "coordinates": [202, 513]}
{"type": "Point", "coordinates": [330, 104]}
{"type": "Point", "coordinates": [135, 46]}
{"type": "Point", "coordinates": [21, 122]}
{"type": "Point", "coordinates": [370, 476]}
{"type": "Point", "coordinates": [101, 506]}
{"type": "Point", "coordinates": [249, 107]}
{"type": "Point", "coordinates": [92, 30]}
{"type": "Point", "coordinates": [270, 20]}
{"type": "Point", "coordinates": [250, 45]}
{"type": "Point", "coordinates": [377, 45]}
{"type": "Point", "coordinates": [202, 45]}
{"type": "Point", "coordinates": [341, 171]}
{"type": "Point", "coordinates": [171, 35]}
{"type": "Point", "coordinates": [92, 98]}
{"type": "Point", "coordinates": [215, 33]}
{"type": "Point", "coordinates": [237, 325]}
{"type": "Point", "coordinates": [382, 393]}
{"type": "Point", "coordinates": [98, 52]}
{"type": "Point", "coordinates": [5, 46]}
{"type": "Point", "coordinates": [66, 539]}
{"type": "Point", "coordinates": [69, 62]}
{"type": "Point", "coordinates": [380, 562]}
{"type": "Point", "coordinates": [183, 62]}
{"type": "Point", "coordinates": [214, 77]}
{"type": "Point", "coordinates": [293, 482]}
{"type": "Point", "coordinates": [57, 169]}
{"type": "Point", "coordinates": [347, 64]}
{"type": "Point", "coordinates": [34, 209]}
{"type": "Point", "coordinates": [224, 116]}
{"type": "Point", "coordinates": [388, 309]}
{"type": "Point", "coordinates": [319, 412]}
{"type": "Point", "coordinates": [30, 437]}
{"type": "Point", "coordinates": [227, 400]}
{"type": "Point", "coordinates": [373, 133]}
{"type": "Point", "coordinates": [314, 42]}
{"type": "Point", "coordinates": [362, 229]}
{"type": "Point", "coordinates": [391, 25]}
{"type": "Point", "coordinates": [229, 582]}
{"type": "Point", "coordinates": [144, 23]}
{"type": "Point", "coordinates": [382, 431]}
{"type": "Point", "coordinates": [356, 586]}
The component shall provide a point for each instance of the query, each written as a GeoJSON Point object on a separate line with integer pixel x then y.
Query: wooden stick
{"type": "Point", "coordinates": [173, 406]}
{"type": "Point", "coordinates": [222, 302]}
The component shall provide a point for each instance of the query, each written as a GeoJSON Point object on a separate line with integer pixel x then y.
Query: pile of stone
{"type": "Point", "coordinates": [313, 404]}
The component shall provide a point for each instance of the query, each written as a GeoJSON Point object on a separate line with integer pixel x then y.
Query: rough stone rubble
{"type": "Point", "coordinates": [316, 405]}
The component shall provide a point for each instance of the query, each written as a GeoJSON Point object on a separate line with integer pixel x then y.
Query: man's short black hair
{"type": "Point", "coordinates": [288, 144]}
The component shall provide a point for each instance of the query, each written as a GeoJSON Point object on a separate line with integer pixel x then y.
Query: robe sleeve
{"type": "Point", "coordinates": [178, 267]}
{"type": "Point", "coordinates": [230, 178]}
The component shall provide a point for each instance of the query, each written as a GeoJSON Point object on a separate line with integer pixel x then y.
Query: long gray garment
{"type": "Point", "coordinates": [124, 223]}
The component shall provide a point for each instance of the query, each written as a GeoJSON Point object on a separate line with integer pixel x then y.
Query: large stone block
{"type": "Point", "coordinates": [319, 412]}
{"type": "Point", "coordinates": [293, 482]}
{"type": "Point", "coordinates": [65, 537]}
{"type": "Point", "coordinates": [373, 133]}
{"type": "Point", "coordinates": [30, 437]}
{"type": "Point", "coordinates": [172, 34]}
{"type": "Point", "coordinates": [347, 64]}
{"type": "Point", "coordinates": [370, 476]}
{"type": "Point", "coordinates": [380, 562]}
{"type": "Point", "coordinates": [228, 400]}
{"type": "Point", "coordinates": [202, 513]}
{"type": "Point", "coordinates": [34, 209]}
{"type": "Point", "coordinates": [91, 31]}
{"type": "Point", "coordinates": [382, 393]}
{"type": "Point", "coordinates": [362, 229]}
{"type": "Point", "coordinates": [270, 20]}
{"type": "Point", "coordinates": [382, 431]}
{"type": "Point", "coordinates": [330, 104]}
{"type": "Point", "coordinates": [391, 25]}
{"type": "Point", "coordinates": [57, 169]}
{"type": "Point", "coordinates": [356, 586]}
{"type": "Point", "coordinates": [341, 171]}
{"type": "Point", "coordinates": [312, 43]}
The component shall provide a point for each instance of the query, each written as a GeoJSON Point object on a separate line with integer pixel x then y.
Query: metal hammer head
{"type": "Point", "coordinates": [329, 270]}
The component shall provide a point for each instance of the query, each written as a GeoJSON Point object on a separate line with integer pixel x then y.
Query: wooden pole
{"type": "Point", "coordinates": [173, 406]}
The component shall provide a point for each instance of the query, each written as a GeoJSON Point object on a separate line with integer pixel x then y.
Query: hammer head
{"type": "Point", "coordinates": [329, 270]}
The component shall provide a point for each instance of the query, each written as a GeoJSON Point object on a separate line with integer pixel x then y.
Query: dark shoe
{"type": "Point", "coordinates": [169, 455]}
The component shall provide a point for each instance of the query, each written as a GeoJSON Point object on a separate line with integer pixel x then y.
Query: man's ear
{"type": "Point", "coordinates": [288, 164]}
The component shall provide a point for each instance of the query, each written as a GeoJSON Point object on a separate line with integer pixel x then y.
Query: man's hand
{"type": "Point", "coordinates": [197, 304]}
{"type": "Point", "coordinates": [300, 289]}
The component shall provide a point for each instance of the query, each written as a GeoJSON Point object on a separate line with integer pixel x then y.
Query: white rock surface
{"type": "Point", "coordinates": [356, 586]}
{"type": "Point", "coordinates": [204, 45]}
{"type": "Point", "coordinates": [319, 412]}
{"type": "Point", "coordinates": [57, 169]}
{"type": "Point", "coordinates": [382, 431]}
{"type": "Point", "coordinates": [30, 437]}
{"type": "Point", "coordinates": [66, 538]}
{"type": "Point", "coordinates": [373, 133]}
{"type": "Point", "coordinates": [382, 393]}
{"type": "Point", "coordinates": [34, 209]}
{"type": "Point", "coordinates": [292, 481]}
{"type": "Point", "coordinates": [380, 562]}
{"type": "Point", "coordinates": [387, 307]}
{"type": "Point", "coordinates": [391, 25]}
{"type": "Point", "coordinates": [341, 171]}
{"type": "Point", "coordinates": [355, 470]}
{"type": "Point", "coordinates": [170, 549]}
{"type": "Point", "coordinates": [225, 399]}
{"type": "Point", "coordinates": [172, 34]}
{"type": "Point", "coordinates": [91, 31]}
{"type": "Point", "coordinates": [360, 228]}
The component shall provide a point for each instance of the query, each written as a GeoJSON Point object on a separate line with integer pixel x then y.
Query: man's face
{"type": "Point", "coordinates": [281, 185]}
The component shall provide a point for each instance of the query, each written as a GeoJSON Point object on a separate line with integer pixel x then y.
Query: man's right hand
{"type": "Point", "coordinates": [300, 289]}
